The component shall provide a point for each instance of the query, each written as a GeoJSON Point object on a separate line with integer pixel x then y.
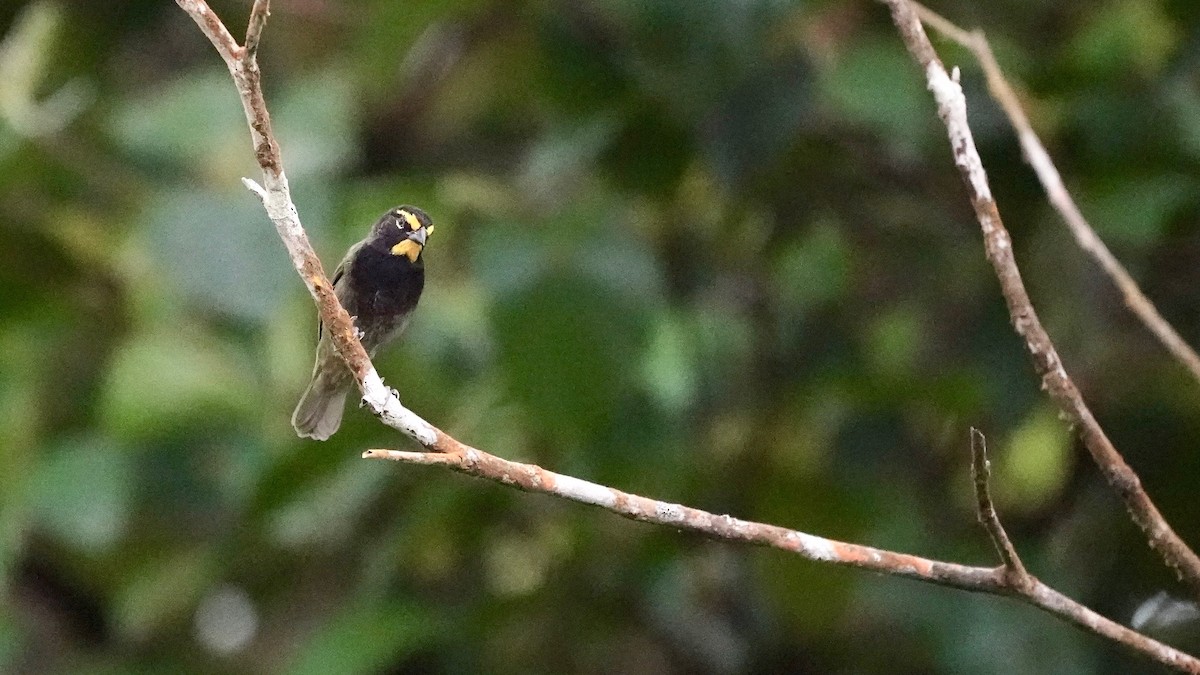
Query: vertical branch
{"type": "Point", "coordinates": [456, 456]}
{"type": "Point", "coordinates": [1056, 191]}
{"type": "Point", "coordinates": [981, 469]}
{"type": "Point", "coordinates": [952, 109]}
{"type": "Point", "coordinates": [277, 200]}
{"type": "Point", "coordinates": [258, 19]}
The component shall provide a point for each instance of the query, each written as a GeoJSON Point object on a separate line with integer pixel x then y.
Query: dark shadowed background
{"type": "Point", "coordinates": [710, 252]}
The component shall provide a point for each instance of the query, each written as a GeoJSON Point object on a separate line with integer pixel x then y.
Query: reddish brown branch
{"type": "Point", "coordinates": [998, 245]}
{"type": "Point", "coordinates": [454, 455]}
{"type": "Point", "coordinates": [995, 581]}
{"type": "Point", "coordinates": [981, 469]}
{"type": "Point", "coordinates": [258, 19]}
{"type": "Point", "coordinates": [277, 200]}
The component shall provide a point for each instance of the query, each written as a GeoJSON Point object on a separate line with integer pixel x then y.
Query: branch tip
{"type": "Point", "coordinates": [1047, 364]}
{"type": "Point", "coordinates": [253, 186]}
{"type": "Point", "coordinates": [976, 42]}
{"type": "Point", "coordinates": [451, 454]}
{"type": "Point", "coordinates": [986, 510]}
{"type": "Point", "coordinates": [258, 19]}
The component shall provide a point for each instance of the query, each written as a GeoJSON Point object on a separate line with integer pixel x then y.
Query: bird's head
{"type": "Point", "coordinates": [403, 231]}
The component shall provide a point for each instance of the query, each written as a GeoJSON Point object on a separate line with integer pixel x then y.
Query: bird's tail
{"type": "Point", "coordinates": [319, 412]}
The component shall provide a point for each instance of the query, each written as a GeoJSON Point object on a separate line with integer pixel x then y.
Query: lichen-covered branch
{"type": "Point", "coordinates": [452, 454]}
{"type": "Point", "coordinates": [277, 200]}
{"type": "Point", "coordinates": [1057, 193]}
{"type": "Point", "coordinates": [993, 580]}
{"type": "Point", "coordinates": [952, 109]}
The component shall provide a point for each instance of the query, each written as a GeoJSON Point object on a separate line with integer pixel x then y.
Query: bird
{"type": "Point", "coordinates": [379, 282]}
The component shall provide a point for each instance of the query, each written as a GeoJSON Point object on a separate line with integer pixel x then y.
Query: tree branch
{"type": "Point", "coordinates": [277, 200]}
{"type": "Point", "coordinates": [1056, 191]}
{"type": "Point", "coordinates": [258, 19]}
{"type": "Point", "coordinates": [991, 580]}
{"type": "Point", "coordinates": [952, 109]}
{"type": "Point", "coordinates": [454, 455]}
{"type": "Point", "coordinates": [981, 469]}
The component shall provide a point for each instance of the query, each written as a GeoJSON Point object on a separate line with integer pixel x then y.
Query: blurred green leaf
{"type": "Point", "coordinates": [895, 339]}
{"type": "Point", "coordinates": [83, 493]}
{"type": "Point", "coordinates": [1183, 103]}
{"type": "Point", "coordinates": [812, 269]}
{"type": "Point", "coordinates": [314, 119]}
{"type": "Point", "coordinates": [508, 257]}
{"type": "Point", "coordinates": [162, 591]}
{"type": "Point", "coordinates": [1033, 466]}
{"type": "Point", "coordinates": [167, 381]}
{"type": "Point", "coordinates": [670, 366]}
{"type": "Point", "coordinates": [326, 513]}
{"type": "Point", "coordinates": [365, 637]}
{"type": "Point", "coordinates": [1125, 35]}
{"type": "Point", "coordinates": [566, 346]}
{"type": "Point", "coordinates": [872, 71]}
{"type": "Point", "coordinates": [10, 641]}
{"type": "Point", "coordinates": [195, 121]}
{"type": "Point", "coordinates": [560, 159]}
{"type": "Point", "coordinates": [221, 253]}
{"type": "Point", "coordinates": [26, 53]}
{"type": "Point", "coordinates": [1137, 211]}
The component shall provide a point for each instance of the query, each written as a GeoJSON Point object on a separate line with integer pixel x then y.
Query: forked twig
{"type": "Point", "coordinates": [1060, 198]}
{"type": "Point", "coordinates": [952, 109]}
{"type": "Point", "coordinates": [981, 469]}
{"type": "Point", "coordinates": [452, 454]}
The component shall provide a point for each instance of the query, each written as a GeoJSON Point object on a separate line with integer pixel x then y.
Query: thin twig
{"type": "Point", "coordinates": [258, 18]}
{"type": "Point", "coordinates": [952, 109]}
{"type": "Point", "coordinates": [981, 469]}
{"type": "Point", "coordinates": [995, 581]}
{"type": "Point", "coordinates": [452, 454]}
{"type": "Point", "coordinates": [1060, 198]}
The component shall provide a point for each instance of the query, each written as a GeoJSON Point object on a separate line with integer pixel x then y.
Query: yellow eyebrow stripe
{"type": "Point", "coordinates": [413, 223]}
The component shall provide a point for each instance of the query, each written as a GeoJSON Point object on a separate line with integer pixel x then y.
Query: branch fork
{"type": "Point", "coordinates": [1010, 579]}
{"type": "Point", "coordinates": [998, 245]}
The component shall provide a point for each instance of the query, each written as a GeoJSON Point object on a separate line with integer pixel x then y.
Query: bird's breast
{"type": "Point", "coordinates": [385, 285]}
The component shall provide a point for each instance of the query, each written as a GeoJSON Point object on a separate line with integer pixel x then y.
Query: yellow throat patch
{"type": "Point", "coordinates": [408, 248]}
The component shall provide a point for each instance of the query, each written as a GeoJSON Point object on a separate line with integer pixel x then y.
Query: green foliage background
{"type": "Point", "coordinates": [710, 252]}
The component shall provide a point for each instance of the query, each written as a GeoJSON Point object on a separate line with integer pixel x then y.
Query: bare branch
{"type": "Point", "coordinates": [1056, 191]}
{"type": "Point", "coordinates": [952, 109]}
{"type": "Point", "coordinates": [212, 27]}
{"type": "Point", "coordinates": [995, 581]}
{"type": "Point", "coordinates": [452, 454]}
{"type": "Point", "coordinates": [258, 19]}
{"type": "Point", "coordinates": [253, 186]}
{"type": "Point", "coordinates": [981, 469]}
{"type": "Point", "coordinates": [277, 200]}
{"type": "Point", "coordinates": [532, 478]}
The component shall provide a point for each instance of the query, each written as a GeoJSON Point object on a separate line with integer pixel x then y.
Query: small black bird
{"type": "Point", "coordinates": [379, 283]}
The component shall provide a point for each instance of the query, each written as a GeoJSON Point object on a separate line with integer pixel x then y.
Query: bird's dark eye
{"type": "Point", "coordinates": [413, 223]}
